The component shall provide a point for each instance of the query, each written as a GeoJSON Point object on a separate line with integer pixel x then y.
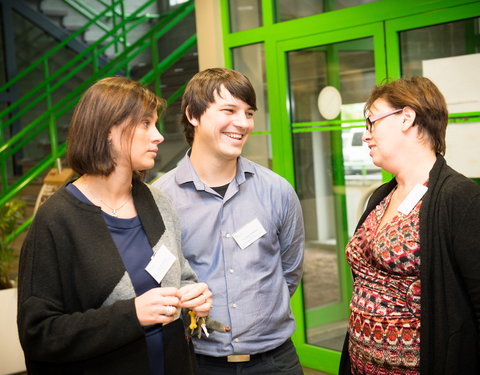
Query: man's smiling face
{"type": "Point", "coordinates": [223, 128]}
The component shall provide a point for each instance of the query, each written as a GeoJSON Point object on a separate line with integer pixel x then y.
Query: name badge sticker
{"type": "Point", "coordinates": [161, 262]}
{"type": "Point", "coordinates": [412, 199]}
{"type": "Point", "coordinates": [249, 233]}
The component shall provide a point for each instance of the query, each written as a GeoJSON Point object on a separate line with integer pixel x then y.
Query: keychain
{"type": "Point", "coordinates": [195, 321]}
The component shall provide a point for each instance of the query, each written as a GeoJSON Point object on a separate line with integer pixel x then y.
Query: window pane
{"type": "Point", "coordinates": [288, 10]}
{"type": "Point", "coordinates": [250, 60]}
{"type": "Point", "coordinates": [308, 76]}
{"type": "Point", "coordinates": [245, 14]}
{"type": "Point", "coordinates": [258, 149]}
{"type": "Point", "coordinates": [439, 41]}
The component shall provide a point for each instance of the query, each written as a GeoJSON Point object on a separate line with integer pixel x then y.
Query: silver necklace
{"type": "Point", "coordinates": [114, 210]}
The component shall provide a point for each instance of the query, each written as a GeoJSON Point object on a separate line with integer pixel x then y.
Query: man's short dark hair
{"type": "Point", "coordinates": [201, 89]}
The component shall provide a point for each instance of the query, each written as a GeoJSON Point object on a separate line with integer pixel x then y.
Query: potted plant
{"type": "Point", "coordinates": [11, 216]}
{"type": "Point", "coordinates": [11, 354]}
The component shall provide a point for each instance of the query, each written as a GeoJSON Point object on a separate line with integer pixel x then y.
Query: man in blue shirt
{"type": "Point", "coordinates": [242, 230]}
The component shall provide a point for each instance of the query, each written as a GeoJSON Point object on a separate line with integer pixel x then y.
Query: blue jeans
{"type": "Point", "coordinates": [282, 360]}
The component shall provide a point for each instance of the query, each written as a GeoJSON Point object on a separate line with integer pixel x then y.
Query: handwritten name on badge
{"type": "Point", "coordinates": [161, 262]}
{"type": "Point", "coordinates": [249, 233]}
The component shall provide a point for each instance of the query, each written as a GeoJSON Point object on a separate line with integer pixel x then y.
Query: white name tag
{"type": "Point", "coordinates": [161, 262]}
{"type": "Point", "coordinates": [249, 233]}
{"type": "Point", "coordinates": [412, 199]}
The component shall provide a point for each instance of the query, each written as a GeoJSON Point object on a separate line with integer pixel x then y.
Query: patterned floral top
{"type": "Point", "coordinates": [384, 323]}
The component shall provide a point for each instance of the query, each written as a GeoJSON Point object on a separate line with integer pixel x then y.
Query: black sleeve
{"type": "Point", "coordinates": [466, 244]}
{"type": "Point", "coordinates": [50, 330]}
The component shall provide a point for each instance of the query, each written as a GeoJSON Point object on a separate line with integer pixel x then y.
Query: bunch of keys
{"type": "Point", "coordinates": [195, 321]}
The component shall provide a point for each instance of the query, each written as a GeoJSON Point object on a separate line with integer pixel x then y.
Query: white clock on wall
{"type": "Point", "coordinates": [329, 102]}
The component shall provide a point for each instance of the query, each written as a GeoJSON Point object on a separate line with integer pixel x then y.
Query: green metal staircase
{"type": "Point", "coordinates": [43, 111]}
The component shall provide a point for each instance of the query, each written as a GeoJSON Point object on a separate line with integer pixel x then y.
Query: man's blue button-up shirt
{"type": "Point", "coordinates": [252, 286]}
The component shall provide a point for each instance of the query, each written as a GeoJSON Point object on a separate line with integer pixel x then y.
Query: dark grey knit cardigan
{"type": "Point", "coordinates": [76, 312]}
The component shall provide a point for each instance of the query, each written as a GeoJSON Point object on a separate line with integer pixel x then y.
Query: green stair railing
{"type": "Point", "coordinates": [57, 80]}
{"type": "Point", "coordinates": [89, 13]}
{"type": "Point", "coordinates": [117, 17]}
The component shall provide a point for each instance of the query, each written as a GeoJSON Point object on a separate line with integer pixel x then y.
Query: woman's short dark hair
{"type": "Point", "coordinates": [200, 91]}
{"type": "Point", "coordinates": [424, 97]}
{"type": "Point", "coordinates": [107, 103]}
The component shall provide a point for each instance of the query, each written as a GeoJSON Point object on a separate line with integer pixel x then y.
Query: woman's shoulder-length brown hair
{"type": "Point", "coordinates": [107, 103]}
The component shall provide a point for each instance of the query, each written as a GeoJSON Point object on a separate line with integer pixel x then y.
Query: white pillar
{"type": "Point", "coordinates": [209, 34]}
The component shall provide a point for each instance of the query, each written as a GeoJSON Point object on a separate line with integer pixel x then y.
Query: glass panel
{"type": "Point", "coordinates": [309, 75]}
{"type": "Point", "coordinates": [307, 70]}
{"type": "Point", "coordinates": [433, 42]}
{"type": "Point", "coordinates": [321, 287]}
{"type": "Point", "coordinates": [454, 48]}
{"type": "Point", "coordinates": [245, 14]}
{"type": "Point", "coordinates": [361, 175]}
{"type": "Point", "coordinates": [321, 180]}
{"type": "Point", "coordinates": [258, 149]}
{"type": "Point", "coordinates": [325, 322]}
{"type": "Point", "coordinates": [462, 147]}
{"type": "Point", "coordinates": [250, 60]}
{"type": "Point", "coordinates": [288, 10]}
{"type": "Point", "coordinates": [170, 152]}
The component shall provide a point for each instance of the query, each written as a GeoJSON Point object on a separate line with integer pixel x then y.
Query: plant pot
{"type": "Point", "coordinates": [11, 353]}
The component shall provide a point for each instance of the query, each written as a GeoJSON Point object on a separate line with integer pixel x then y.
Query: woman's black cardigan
{"type": "Point", "coordinates": [449, 273]}
{"type": "Point", "coordinates": [77, 310]}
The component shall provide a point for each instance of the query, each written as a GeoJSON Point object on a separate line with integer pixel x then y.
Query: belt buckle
{"type": "Point", "coordinates": [238, 358]}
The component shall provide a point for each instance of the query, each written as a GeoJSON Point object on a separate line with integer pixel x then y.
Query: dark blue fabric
{"type": "Point", "coordinates": [136, 252]}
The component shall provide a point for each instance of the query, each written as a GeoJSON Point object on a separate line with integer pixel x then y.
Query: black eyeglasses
{"type": "Point", "coordinates": [370, 120]}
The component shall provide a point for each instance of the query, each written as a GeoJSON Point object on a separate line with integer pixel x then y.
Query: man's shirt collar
{"type": "Point", "coordinates": [186, 173]}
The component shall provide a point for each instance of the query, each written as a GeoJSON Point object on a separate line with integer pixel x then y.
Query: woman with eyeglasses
{"type": "Point", "coordinates": [415, 254]}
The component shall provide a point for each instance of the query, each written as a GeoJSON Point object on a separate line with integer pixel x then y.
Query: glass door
{"type": "Point", "coordinates": [329, 77]}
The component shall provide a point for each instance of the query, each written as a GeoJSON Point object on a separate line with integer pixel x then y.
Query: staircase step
{"type": "Point", "coordinates": [35, 4]}
{"type": "Point", "coordinates": [55, 12]}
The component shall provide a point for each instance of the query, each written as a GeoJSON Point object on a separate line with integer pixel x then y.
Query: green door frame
{"type": "Point", "coordinates": [382, 20]}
